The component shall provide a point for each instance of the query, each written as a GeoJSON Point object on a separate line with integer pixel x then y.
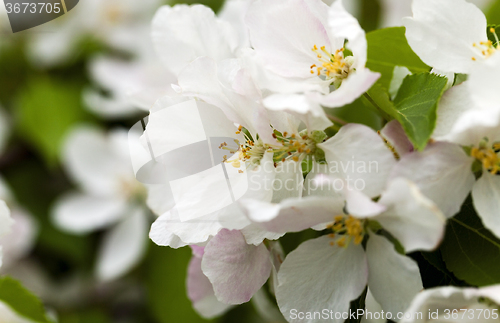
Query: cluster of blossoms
{"type": "Point", "coordinates": [253, 85]}
{"type": "Point", "coordinates": [244, 149]}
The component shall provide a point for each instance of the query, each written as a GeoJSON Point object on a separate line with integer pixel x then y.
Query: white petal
{"type": "Point", "coordinates": [411, 217]}
{"type": "Point", "coordinates": [5, 219]}
{"type": "Point", "coordinates": [483, 82]}
{"type": "Point", "coordinates": [436, 169]}
{"type": "Point", "coordinates": [288, 182]}
{"type": "Point", "coordinates": [442, 33]}
{"type": "Point", "coordinates": [21, 238]}
{"type": "Point", "coordinates": [309, 111]}
{"type": "Point", "coordinates": [360, 205]}
{"type": "Point", "coordinates": [201, 292]}
{"type": "Point", "coordinates": [80, 213]}
{"type": "Point", "coordinates": [123, 246]}
{"type": "Point", "coordinates": [284, 33]}
{"type": "Point", "coordinates": [398, 75]}
{"type": "Point", "coordinates": [359, 155]}
{"type": "Point", "coordinates": [393, 12]}
{"type": "Point", "coordinates": [394, 133]}
{"type": "Point", "coordinates": [235, 269]}
{"type": "Point", "coordinates": [452, 105]}
{"type": "Point", "coordinates": [91, 159]}
{"type": "Point", "coordinates": [344, 26]}
{"type": "Point", "coordinates": [293, 215]}
{"type": "Point", "coordinates": [394, 279]}
{"type": "Point", "coordinates": [486, 197]}
{"type": "Point", "coordinates": [183, 33]}
{"type": "Point", "coordinates": [352, 87]}
{"type": "Point", "coordinates": [448, 298]}
{"type": "Point", "coordinates": [168, 230]}
{"type": "Point", "coordinates": [317, 275]}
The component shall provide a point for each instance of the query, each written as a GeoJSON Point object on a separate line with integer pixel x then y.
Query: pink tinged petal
{"type": "Point", "coordinates": [80, 213]}
{"type": "Point", "coordinates": [317, 275]}
{"type": "Point", "coordinates": [235, 269]}
{"type": "Point", "coordinates": [344, 26]}
{"type": "Point", "coordinates": [440, 167]}
{"type": "Point", "coordinates": [293, 215]}
{"type": "Point", "coordinates": [361, 206]}
{"type": "Point", "coordinates": [183, 33]}
{"type": "Point", "coordinates": [411, 218]}
{"type": "Point", "coordinates": [359, 155]}
{"type": "Point", "coordinates": [486, 197]}
{"type": "Point", "coordinates": [123, 246]}
{"type": "Point", "coordinates": [442, 33]}
{"type": "Point", "coordinates": [393, 279]}
{"type": "Point", "coordinates": [357, 83]}
{"type": "Point", "coordinates": [394, 133]}
{"type": "Point", "coordinates": [284, 33]}
{"type": "Point", "coordinates": [201, 292]}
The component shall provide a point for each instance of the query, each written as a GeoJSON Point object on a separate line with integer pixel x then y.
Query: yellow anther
{"type": "Point", "coordinates": [341, 242]}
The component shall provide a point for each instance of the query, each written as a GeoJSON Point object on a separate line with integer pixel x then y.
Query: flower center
{"type": "Point", "coordinates": [331, 66]}
{"type": "Point", "coordinates": [288, 147]}
{"type": "Point", "coordinates": [349, 228]}
{"type": "Point", "coordinates": [487, 48]}
{"type": "Point", "coordinates": [488, 155]}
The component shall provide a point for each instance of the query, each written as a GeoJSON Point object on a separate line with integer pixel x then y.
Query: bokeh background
{"type": "Point", "coordinates": [79, 69]}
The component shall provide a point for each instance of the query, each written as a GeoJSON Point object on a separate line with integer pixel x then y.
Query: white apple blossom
{"type": "Point", "coordinates": [453, 305]}
{"type": "Point", "coordinates": [468, 115]}
{"type": "Point", "coordinates": [401, 210]}
{"type": "Point", "coordinates": [301, 44]}
{"type": "Point", "coordinates": [132, 85]}
{"type": "Point", "coordinates": [110, 21]}
{"type": "Point", "coordinates": [108, 196]}
{"type": "Point", "coordinates": [449, 35]}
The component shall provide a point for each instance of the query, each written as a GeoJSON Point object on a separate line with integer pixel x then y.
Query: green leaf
{"type": "Point", "coordinates": [469, 250]}
{"type": "Point", "coordinates": [46, 110]}
{"type": "Point", "coordinates": [493, 13]}
{"type": "Point", "coordinates": [21, 300]}
{"type": "Point", "coordinates": [378, 97]}
{"type": "Point", "coordinates": [359, 111]}
{"type": "Point", "coordinates": [388, 48]}
{"type": "Point", "coordinates": [416, 104]}
{"type": "Point", "coordinates": [166, 285]}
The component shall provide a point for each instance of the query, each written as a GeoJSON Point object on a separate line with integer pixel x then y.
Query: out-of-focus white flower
{"type": "Point", "coordinates": [19, 241]}
{"type": "Point", "coordinates": [455, 305]}
{"type": "Point", "coordinates": [131, 85]}
{"type": "Point", "coordinates": [5, 223]}
{"type": "Point", "coordinates": [109, 196]}
{"type": "Point", "coordinates": [183, 33]}
{"type": "Point", "coordinates": [449, 35]}
{"type": "Point", "coordinates": [110, 21]}
{"type": "Point", "coordinates": [301, 45]}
